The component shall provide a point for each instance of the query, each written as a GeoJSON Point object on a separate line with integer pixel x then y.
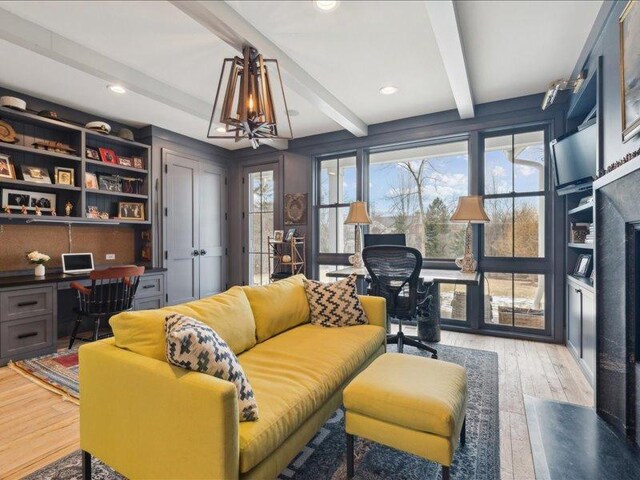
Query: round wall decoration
{"type": "Point", "coordinates": [295, 209]}
{"type": "Point", "coordinates": [7, 133]}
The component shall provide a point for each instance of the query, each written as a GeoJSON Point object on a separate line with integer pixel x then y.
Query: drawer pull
{"type": "Point", "coordinates": [27, 335]}
{"type": "Point", "coordinates": [149, 286]}
{"type": "Point", "coordinates": [28, 304]}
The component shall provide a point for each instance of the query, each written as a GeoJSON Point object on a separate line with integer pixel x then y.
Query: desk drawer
{"type": "Point", "coordinates": [27, 302]}
{"type": "Point", "coordinates": [152, 303]}
{"type": "Point", "coordinates": [150, 286]}
{"type": "Point", "coordinates": [25, 335]}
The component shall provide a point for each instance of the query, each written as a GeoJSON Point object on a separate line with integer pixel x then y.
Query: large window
{"type": "Point", "coordinates": [337, 189]}
{"type": "Point", "coordinates": [415, 191]}
{"type": "Point", "coordinates": [516, 194]}
{"type": "Point", "coordinates": [514, 173]}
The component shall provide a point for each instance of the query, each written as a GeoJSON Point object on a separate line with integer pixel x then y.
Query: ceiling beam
{"type": "Point", "coordinates": [228, 25]}
{"type": "Point", "coordinates": [446, 28]}
{"type": "Point", "coordinates": [29, 35]}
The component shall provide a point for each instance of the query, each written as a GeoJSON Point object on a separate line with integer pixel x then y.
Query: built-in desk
{"type": "Point", "coordinates": [428, 275]}
{"type": "Point", "coordinates": [35, 311]}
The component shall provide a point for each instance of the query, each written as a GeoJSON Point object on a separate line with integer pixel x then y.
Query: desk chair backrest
{"type": "Point", "coordinates": [374, 239]}
{"type": "Point", "coordinates": [395, 275]}
{"type": "Point", "coordinates": [112, 290]}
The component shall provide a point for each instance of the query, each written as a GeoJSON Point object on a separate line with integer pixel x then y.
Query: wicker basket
{"type": "Point", "coordinates": [522, 317]}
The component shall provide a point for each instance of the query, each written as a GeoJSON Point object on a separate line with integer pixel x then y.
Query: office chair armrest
{"type": "Point", "coordinates": [80, 288]}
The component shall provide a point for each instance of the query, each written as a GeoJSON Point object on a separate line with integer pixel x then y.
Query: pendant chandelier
{"type": "Point", "coordinates": [250, 108]}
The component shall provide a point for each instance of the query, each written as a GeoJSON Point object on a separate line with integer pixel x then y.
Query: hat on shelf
{"type": "Point", "coordinates": [13, 102]}
{"type": "Point", "coordinates": [126, 134]}
{"type": "Point", "coordinates": [98, 126]}
{"type": "Point", "coordinates": [7, 133]}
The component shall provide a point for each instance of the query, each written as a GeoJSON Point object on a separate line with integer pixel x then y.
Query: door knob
{"type": "Point", "coordinates": [203, 252]}
{"type": "Point", "coordinates": [195, 253]}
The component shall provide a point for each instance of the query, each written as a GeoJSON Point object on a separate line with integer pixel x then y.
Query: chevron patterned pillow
{"type": "Point", "coordinates": [335, 304]}
{"type": "Point", "coordinates": [195, 346]}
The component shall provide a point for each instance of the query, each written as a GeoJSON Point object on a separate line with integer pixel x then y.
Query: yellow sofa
{"type": "Point", "coordinates": [148, 419]}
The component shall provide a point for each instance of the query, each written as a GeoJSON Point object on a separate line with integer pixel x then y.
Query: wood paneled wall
{"type": "Point", "coordinates": [17, 240]}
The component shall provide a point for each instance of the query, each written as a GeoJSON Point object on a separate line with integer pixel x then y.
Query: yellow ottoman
{"type": "Point", "coordinates": [414, 404]}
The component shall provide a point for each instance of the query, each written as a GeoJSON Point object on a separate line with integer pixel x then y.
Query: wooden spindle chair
{"type": "Point", "coordinates": [112, 291]}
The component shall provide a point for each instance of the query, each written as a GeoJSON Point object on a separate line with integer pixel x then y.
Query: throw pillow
{"type": "Point", "coordinates": [193, 345]}
{"type": "Point", "coordinates": [335, 304]}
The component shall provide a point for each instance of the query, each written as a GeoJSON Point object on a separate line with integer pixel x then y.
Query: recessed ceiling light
{"type": "Point", "coordinates": [326, 5]}
{"type": "Point", "coordinates": [389, 90]}
{"type": "Point", "coordinates": [117, 88]}
{"type": "Point", "coordinates": [221, 130]}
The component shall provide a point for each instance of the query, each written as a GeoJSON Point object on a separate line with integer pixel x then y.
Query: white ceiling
{"type": "Point", "coordinates": [511, 48]}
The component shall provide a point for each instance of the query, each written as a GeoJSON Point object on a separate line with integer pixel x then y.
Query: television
{"type": "Point", "coordinates": [574, 157]}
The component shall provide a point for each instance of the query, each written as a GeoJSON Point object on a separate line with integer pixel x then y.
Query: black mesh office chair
{"type": "Point", "coordinates": [395, 275]}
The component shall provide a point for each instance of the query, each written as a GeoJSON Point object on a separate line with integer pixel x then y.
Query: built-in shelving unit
{"type": "Point", "coordinates": [32, 128]}
{"type": "Point", "coordinates": [580, 290]}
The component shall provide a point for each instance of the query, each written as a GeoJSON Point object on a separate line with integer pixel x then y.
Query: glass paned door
{"type": "Point", "coordinates": [260, 223]}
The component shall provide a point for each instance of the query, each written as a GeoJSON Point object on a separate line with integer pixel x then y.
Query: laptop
{"type": "Point", "coordinates": [77, 263]}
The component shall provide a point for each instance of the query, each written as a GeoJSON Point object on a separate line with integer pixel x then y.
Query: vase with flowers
{"type": "Point", "coordinates": [39, 259]}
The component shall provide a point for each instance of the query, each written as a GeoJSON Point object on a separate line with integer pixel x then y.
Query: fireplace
{"type": "Point", "coordinates": [618, 301]}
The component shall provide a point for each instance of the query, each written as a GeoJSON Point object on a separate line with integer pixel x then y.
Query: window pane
{"type": "Point", "coordinates": [528, 301]}
{"type": "Point", "coordinates": [260, 224]}
{"type": "Point", "coordinates": [255, 232]}
{"type": "Point", "coordinates": [453, 302]}
{"type": "Point", "coordinates": [335, 236]}
{"type": "Point", "coordinates": [498, 168]}
{"type": "Point", "coordinates": [258, 269]}
{"type": "Point", "coordinates": [498, 298]}
{"type": "Point", "coordinates": [528, 227]}
{"type": "Point", "coordinates": [328, 182]}
{"type": "Point", "coordinates": [514, 300]}
{"type": "Point", "coordinates": [348, 180]}
{"type": "Point", "coordinates": [529, 162]}
{"type": "Point", "coordinates": [514, 163]}
{"type": "Point", "coordinates": [415, 191]}
{"type": "Point", "coordinates": [498, 233]}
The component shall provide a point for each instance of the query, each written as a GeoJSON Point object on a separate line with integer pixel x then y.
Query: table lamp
{"type": "Point", "coordinates": [358, 216]}
{"type": "Point", "coordinates": [470, 210]}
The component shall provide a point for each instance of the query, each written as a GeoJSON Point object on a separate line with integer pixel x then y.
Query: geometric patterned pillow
{"type": "Point", "coordinates": [335, 304]}
{"type": "Point", "coordinates": [195, 346]}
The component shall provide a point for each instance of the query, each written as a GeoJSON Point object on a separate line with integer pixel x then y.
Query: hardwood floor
{"type": "Point", "coordinates": [39, 427]}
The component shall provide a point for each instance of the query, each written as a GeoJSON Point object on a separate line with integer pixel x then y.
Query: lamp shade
{"type": "Point", "coordinates": [470, 209]}
{"type": "Point", "coordinates": [358, 214]}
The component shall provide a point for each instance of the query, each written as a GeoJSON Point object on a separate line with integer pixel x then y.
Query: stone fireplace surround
{"type": "Point", "coordinates": [617, 284]}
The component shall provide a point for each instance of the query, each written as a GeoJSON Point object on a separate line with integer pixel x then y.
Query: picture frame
{"type": "Point", "coordinates": [629, 30]}
{"type": "Point", "coordinates": [138, 162]}
{"type": "Point", "coordinates": [583, 263]}
{"type": "Point", "coordinates": [7, 169]}
{"type": "Point", "coordinates": [108, 156]}
{"type": "Point", "coordinates": [65, 176]}
{"type": "Point", "coordinates": [92, 154]}
{"type": "Point", "coordinates": [35, 174]}
{"type": "Point", "coordinates": [91, 181]}
{"type": "Point", "coordinates": [16, 199]}
{"type": "Point", "coordinates": [125, 161]}
{"type": "Point", "coordinates": [295, 209]}
{"type": "Point", "coordinates": [93, 211]}
{"type": "Point", "coordinates": [278, 235]}
{"type": "Point", "coordinates": [110, 183]}
{"type": "Point", "coordinates": [290, 234]}
{"type": "Point", "coordinates": [131, 211]}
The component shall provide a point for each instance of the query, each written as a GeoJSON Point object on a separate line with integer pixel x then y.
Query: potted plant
{"type": "Point", "coordinates": [39, 259]}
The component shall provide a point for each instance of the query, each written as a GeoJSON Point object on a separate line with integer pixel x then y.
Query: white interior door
{"type": "Point", "coordinates": [213, 207]}
{"type": "Point", "coordinates": [182, 207]}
